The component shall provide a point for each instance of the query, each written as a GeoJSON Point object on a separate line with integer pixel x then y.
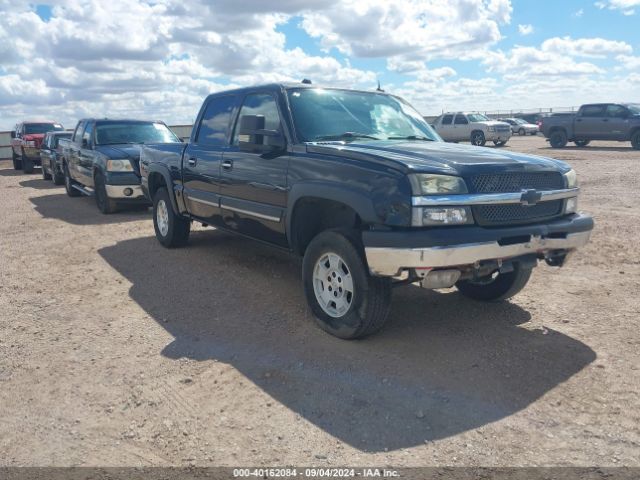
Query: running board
{"type": "Point", "coordinates": [80, 188]}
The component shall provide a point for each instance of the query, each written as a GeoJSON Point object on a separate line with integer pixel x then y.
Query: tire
{"type": "Point", "coordinates": [171, 230]}
{"type": "Point", "coordinates": [635, 140]}
{"type": "Point", "coordinates": [17, 161]}
{"type": "Point", "coordinates": [45, 175]}
{"type": "Point", "coordinates": [58, 178]}
{"type": "Point", "coordinates": [27, 164]}
{"type": "Point", "coordinates": [477, 139]}
{"type": "Point", "coordinates": [499, 144]}
{"type": "Point", "coordinates": [105, 204]}
{"type": "Point", "coordinates": [522, 132]}
{"type": "Point", "coordinates": [558, 139]}
{"type": "Point", "coordinates": [501, 287]}
{"type": "Point", "coordinates": [582, 143]}
{"type": "Point", "coordinates": [356, 314]}
{"type": "Point", "coordinates": [69, 182]}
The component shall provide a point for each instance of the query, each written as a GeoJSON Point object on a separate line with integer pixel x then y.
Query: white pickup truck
{"type": "Point", "coordinates": [471, 127]}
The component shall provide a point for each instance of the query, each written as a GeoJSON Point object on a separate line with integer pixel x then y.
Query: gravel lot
{"type": "Point", "coordinates": [115, 351]}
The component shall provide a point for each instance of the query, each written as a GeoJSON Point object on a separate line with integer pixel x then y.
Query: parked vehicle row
{"type": "Point", "coordinates": [520, 126]}
{"type": "Point", "coordinates": [596, 121]}
{"type": "Point", "coordinates": [26, 140]}
{"type": "Point", "coordinates": [475, 128]}
{"type": "Point", "coordinates": [354, 182]}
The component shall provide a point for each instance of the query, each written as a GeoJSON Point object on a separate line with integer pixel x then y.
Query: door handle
{"type": "Point", "coordinates": [605, 119]}
{"type": "Point", "coordinates": [192, 161]}
{"type": "Point", "coordinates": [578, 119]}
{"type": "Point", "coordinates": [227, 164]}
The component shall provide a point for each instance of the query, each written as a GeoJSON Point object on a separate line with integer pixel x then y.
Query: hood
{"type": "Point", "coordinates": [439, 157]}
{"type": "Point", "coordinates": [125, 150]}
{"type": "Point", "coordinates": [493, 123]}
{"type": "Point", "coordinates": [37, 138]}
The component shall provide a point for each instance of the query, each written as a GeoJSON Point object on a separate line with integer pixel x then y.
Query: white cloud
{"type": "Point", "coordinates": [525, 29]}
{"type": "Point", "coordinates": [579, 13]}
{"type": "Point", "coordinates": [625, 6]}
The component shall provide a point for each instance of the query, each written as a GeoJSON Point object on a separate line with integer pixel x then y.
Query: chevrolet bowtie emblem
{"type": "Point", "coordinates": [530, 197]}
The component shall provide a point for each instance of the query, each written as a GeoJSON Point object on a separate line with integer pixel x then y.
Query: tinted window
{"type": "Point", "coordinates": [114, 133]}
{"type": "Point", "coordinates": [477, 117]}
{"type": "Point", "coordinates": [215, 121]}
{"type": "Point", "coordinates": [447, 119]}
{"type": "Point", "coordinates": [86, 136]}
{"type": "Point", "coordinates": [259, 104]}
{"type": "Point", "coordinates": [616, 111]}
{"type": "Point", "coordinates": [461, 120]}
{"type": "Point", "coordinates": [35, 128]}
{"type": "Point", "coordinates": [77, 134]}
{"type": "Point", "coordinates": [593, 111]}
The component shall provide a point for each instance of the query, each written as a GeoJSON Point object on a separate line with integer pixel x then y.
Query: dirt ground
{"type": "Point", "coordinates": [116, 351]}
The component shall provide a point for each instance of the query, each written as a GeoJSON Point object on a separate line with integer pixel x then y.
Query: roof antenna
{"type": "Point", "coordinates": [379, 89]}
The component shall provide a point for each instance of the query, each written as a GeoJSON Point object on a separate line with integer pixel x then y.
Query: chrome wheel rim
{"type": "Point", "coordinates": [333, 285]}
{"type": "Point", "coordinates": [162, 218]}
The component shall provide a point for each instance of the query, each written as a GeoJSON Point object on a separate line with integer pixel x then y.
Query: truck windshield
{"type": "Point", "coordinates": [323, 114]}
{"type": "Point", "coordinates": [111, 133]}
{"type": "Point", "coordinates": [477, 117]}
{"type": "Point", "coordinates": [37, 128]}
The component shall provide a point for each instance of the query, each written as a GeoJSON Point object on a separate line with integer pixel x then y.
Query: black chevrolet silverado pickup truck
{"type": "Point", "coordinates": [102, 159]}
{"type": "Point", "coordinates": [362, 187]}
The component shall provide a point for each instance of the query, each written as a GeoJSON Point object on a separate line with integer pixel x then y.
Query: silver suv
{"type": "Point", "coordinates": [472, 127]}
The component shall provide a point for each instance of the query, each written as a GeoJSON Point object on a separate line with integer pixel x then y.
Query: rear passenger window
{"type": "Point", "coordinates": [447, 119]}
{"type": "Point", "coordinates": [215, 121]}
{"type": "Point", "coordinates": [461, 120]}
{"type": "Point", "coordinates": [593, 111]}
{"type": "Point", "coordinates": [259, 104]}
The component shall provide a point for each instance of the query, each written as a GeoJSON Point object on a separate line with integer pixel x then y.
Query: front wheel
{"type": "Point", "coordinates": [17, 161]}
{"type": "Point", "coordinates": [477, 139]}
{"type": "Point", "coordinates": [635, 140]}
{"type": "Point", "coordinates": [45, 175]}
{"type": "Point", "coordinates": [345, 299]}
{"type": "Point", "coordinates": [582, 143]}
{"type": "Point", "coordinates": [499, 144]}
{"type": "Point", "coordinates": [27, 164]}
{"type": "Point", "coordinates": [522, 132]}
{"type": "Point", "coordinates": [105, 204]}
{"type": "Point", "coordinates": [496, 287]}
{"type": "Point", "coordinates": [171, 229]}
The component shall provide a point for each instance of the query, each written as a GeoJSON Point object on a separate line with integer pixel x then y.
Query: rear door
{"type": "Point", "coordinates": [445, 129]}
{"type": "Point", "coordinates": [202, 158]}
{"type": "Point", "coordinates": [253, 185]}
{"type": "Point", "coordinates": [591, 123]}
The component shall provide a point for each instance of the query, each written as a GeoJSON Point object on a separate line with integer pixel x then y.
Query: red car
{"type": "Point", "coordinates": [26, 140]}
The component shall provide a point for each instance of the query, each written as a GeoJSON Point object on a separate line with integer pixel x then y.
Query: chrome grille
{"type": "Point", "coordinates": [515, 182]}
{"type": "Point", "coordinates": [514, 213]}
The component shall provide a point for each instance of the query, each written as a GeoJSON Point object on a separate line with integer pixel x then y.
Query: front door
{"type": "Point", "coordinates": [618, 122]}
{"type": "Point", "coordinates": [253, 185]}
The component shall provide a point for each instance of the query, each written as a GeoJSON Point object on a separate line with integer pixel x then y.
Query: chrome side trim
{"type": "Point", "coordinates": [211, 204]}
{"type": "Point", "coordinates": [253, 214]}
{"type": "Point", "coordinates": [390, 261]}
{"type": "Point", "coordinates": [490, 198]}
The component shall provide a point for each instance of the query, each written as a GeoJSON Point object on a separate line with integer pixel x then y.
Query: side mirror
{"type": "Point", "coordinates": [13, 134]}
{"type": "Point", "coordinates": [254, 138]}
{"type": "Point", "coordinates": [85, 143]}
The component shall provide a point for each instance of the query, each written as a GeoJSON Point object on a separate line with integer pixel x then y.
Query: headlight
{"type": "Point", "coordinates": [571, 205]}
{"type": "Point", "coordinates": [571, 178]}
{"type": "Point", "coordinates": [427, 184]}
{"type": "Point", "coordinates": [434, 216]}
{"type": "Point", "coordinates": [119, 166]}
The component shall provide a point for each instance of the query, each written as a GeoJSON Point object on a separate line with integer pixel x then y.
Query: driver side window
{"type": "Point", "coordinates": [259, 104]}
{"type": "Point", "coordinates": [461, 120]}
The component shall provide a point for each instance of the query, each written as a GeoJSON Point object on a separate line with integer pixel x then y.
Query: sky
{"type": "Point", "coordinates": [158, 59]}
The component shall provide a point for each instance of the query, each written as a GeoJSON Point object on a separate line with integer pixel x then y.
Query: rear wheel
{"type": "Point", "coordinates": [499, 144]}
{"type": "Point", "coordinates": [171, 229]}
{"type": "Point", "coordinates": [498, 286]}
{"type": "Point", "coordinates": [58, 178]}
{"type": "Point", "coordinates": [477, 139]}
{"type": "Point", "coordinates": [27, 164]}
{"type": "Point", "coordinates": [522, 131]}
{"type": "Point", "coordinates": [582, 143]}
{"type": "Point", "coordinates": [17, 161]}
{"type": "Point", "coordinates": [635, 140]}
{"type": "Point", "coordinates": [346, 300]}
{"type": "Point", "coordinates": [105, 204]}
{"type": "Point", "coordinates": [558, 139]}
{"type": "Point", "coordinates": [69, 183]}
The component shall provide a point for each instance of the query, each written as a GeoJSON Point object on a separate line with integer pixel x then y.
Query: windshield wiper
{"type": "Point", "coordinates": [412, 137]}
{"type": "Point", "coordinates": [346, 135]}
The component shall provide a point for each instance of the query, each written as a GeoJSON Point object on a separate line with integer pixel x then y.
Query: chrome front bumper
{"type": "Point", "coordinates": [121, 191]}
{"type": "Point", "coordinates": [389, 262]}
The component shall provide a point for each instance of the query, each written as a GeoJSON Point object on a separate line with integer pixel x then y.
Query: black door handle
{"type": "Point", "coordinates": [227, 164]}
{"type": "Point", "coordinates": [192, 161]}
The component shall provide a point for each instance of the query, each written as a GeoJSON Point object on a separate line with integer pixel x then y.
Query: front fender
{"type": "Point", "coordinates": [156, 168]}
